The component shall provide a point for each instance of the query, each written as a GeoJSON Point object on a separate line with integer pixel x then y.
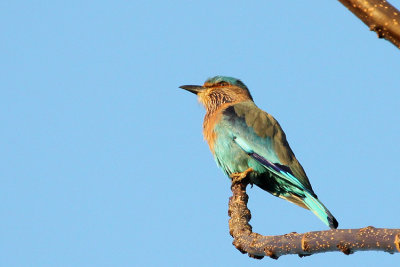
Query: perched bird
{"type": "Point", "coordinates": [248, 142]}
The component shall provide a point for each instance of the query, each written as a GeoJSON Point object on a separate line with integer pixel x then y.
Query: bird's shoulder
{"type": "Point", "coordinates": [263, 124]}
{"type": "Point", "coordinates": [238, 116]}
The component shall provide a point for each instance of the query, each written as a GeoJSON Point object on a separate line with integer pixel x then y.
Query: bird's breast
{"type": "Point", "coordinates": [211, 120]}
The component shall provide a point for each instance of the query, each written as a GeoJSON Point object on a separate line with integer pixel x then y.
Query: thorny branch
{"type": "Point", "coordinates": [344, 240]}
{"type": "Point", "coordinates": [379, 15]}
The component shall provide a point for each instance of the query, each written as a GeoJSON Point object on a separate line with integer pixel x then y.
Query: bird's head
{"type": "Point", "coordinates": [219, 90]}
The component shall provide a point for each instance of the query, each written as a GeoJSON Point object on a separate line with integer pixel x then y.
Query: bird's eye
{"type": "Point", "coordinates": [222, 83]}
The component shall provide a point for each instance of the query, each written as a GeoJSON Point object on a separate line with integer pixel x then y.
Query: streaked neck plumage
{"type": "Point", "coordinates": [213, 99]}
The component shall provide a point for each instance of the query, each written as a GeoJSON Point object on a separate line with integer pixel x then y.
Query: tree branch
{"type": "Point", "coordinates": [379, 15]}
{"type": "Point", "coordinates": [344, 240]}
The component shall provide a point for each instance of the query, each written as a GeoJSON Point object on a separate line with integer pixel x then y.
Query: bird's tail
{"type": "Point", "coordinates": [296, 192]}
{"type": "Point", "coordinates": [320, 210]}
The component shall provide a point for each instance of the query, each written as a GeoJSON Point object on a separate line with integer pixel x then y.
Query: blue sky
{"type": "Point", "coordinates": [102, 158]}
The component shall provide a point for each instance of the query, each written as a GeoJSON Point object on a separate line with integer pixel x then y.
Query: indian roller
{"type": "Point", "coordinates": [248, 142]}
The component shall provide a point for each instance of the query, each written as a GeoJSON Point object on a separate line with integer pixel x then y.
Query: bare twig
{"type": "Point", "coordinates": [344, 240]}
{"type": "Point", "coordinates": [379, 15]}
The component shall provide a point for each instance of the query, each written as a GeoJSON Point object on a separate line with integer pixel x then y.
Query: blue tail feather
{"type": "Point", "coordinates": [319, 209]}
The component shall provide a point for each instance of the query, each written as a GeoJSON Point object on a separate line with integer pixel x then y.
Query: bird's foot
{"type": "Point", "coordinates": [237, 177]}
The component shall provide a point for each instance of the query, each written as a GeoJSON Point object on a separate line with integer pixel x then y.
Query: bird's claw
{"type": "Point", "coordinates": [237, 177]}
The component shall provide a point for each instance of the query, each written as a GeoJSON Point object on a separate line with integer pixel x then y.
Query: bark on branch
{"type": "Point", "coordinates": [379, 15]}
{"type": "Point", "coordinates": [344, 240]}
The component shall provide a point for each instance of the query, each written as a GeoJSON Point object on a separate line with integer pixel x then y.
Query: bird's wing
{"type": "Point", "coordinates": [261, 137]}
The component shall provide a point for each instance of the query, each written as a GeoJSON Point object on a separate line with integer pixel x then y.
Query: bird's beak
{"type": "Point", "coordinates": [195, 89]}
